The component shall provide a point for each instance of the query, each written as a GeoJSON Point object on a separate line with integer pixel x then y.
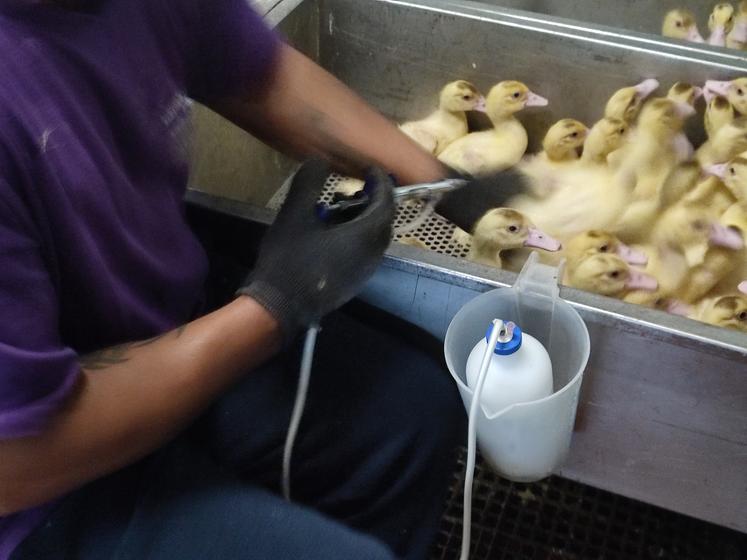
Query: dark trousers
{"type": "Point", "coordinates": [372, 463]}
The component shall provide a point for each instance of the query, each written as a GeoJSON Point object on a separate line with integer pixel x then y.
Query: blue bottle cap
{"type": "Point", "coordinates": [509, 347]}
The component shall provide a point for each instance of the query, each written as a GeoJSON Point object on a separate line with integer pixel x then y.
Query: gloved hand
{"type": "Point", "coordinates": [307, 268]}
{"type": "Point", "coordinates": [465, 206]}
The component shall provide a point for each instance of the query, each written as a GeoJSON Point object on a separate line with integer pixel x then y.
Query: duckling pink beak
{"type": "Point", "coordinates": [718, 37]}
{"type": "Point", "coordinates": [631, 256]}
{"type": "Point", "coordinates": [481, 105]}
{"type": "Point", "coordinates": [717, 170]}
{"type": "Point", "coordinates": [708, 95]}
{"type": "Point", "coordinates": [694, 35]}
{"type": "Point", "coordinates": [534, 100]}
{"type": "Point", "coordinates": [739, 33]}
{"type": "Point", "coordinates": [684, 110]}
{"type": "Point", "coordinates": [677, 307]}
{"type": "Point", "coordinates": [742, 287]}
{"type": "Point", "coordinates": [726, 237]}
{"type": "Point", "coordinates": [540, 240]}
{"type": "Point", "coordinates": [718, 87]}
{"type": "Point", "coordinates": [647, 87]}
{"type": "Point", "coordinates": [638, 280]}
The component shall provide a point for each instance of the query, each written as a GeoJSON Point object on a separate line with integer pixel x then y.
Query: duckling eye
{"type": "Point", "coordinates": [466, 97]}
{"type": "Point", "coordinates": [604, 249]}
{"type": "Point", "coordinates": [678, 23]}
{"type": "Point", "coordinates": [742, 316]}
{"type": "Point", "coordinates": [731, 170]}
{"type": "Point", "coordinates": [740, 91]}
{"type": "Point", "coordinates": [517, 95]}
{"type": "Point", "coordinates": [574, 134]}
{"type": "Point", "coordinates": [513, 229]}
{"type": "Point", "coordinates": [615, 274]}
{"type": "Point", "coordinates": [622, 131]}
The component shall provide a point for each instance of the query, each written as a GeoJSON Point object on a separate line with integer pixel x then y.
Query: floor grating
{"type": "Point", "coordinates": [558, 519]}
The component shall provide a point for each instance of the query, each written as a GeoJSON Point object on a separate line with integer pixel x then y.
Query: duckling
{"type": "Point", "coordinates": [598, 242]}
{"type": "Point", "coordinates": [504, 228]}
{"type": "Point", "coordinates": [728, 311]}
{"type": "Point", "coordinates": [711, 194]}
{"type": "Point", "coordinates": [735, 92]}
{"type": "Point", "coordinates": [710, 249]}
{"type": "Point", "coordinates": [448, 122]}
{"type": "Point", "coordinates": [720, 24]}
{"type": "Point", "coordinates": [625, 103]}
{"type": "Point", "coordinates": [680, 181]}
{"type": "Point", "coordinates": [734, 177]}
{"type": "Point", "coordinates": [502, 146]}
{"type": "Point", "coordinates": [648, 159]}
{"type": "Point", "coordinates": [607, 275]}
{"type": "Point", "coordinates": [680, 24]}
{"type": "Point", "coordinates": [737, 38]}
{"type": "Point", "coordinates": [679, 242]}
{"type": "Point", "coordinates": [719, 112]}
{"type": "Point", "coordinates": [682, 92]}
{"type": "Point", "coordinates": [735, 218]}
{"type": "Point", "coordinates": [562, 145]}
{"type": "Point", "coordinates": [606, 136]}
{"type": "Point", "coordinates": [729, 141]}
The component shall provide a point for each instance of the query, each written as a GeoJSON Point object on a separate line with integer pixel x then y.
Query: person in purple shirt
{"type": "Point", "coordinates": [134, 422]}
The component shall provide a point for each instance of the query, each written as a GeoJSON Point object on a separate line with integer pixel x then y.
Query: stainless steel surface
{"type": "Point", "coordinates": [664, 408]}
{"type": "Point", "coordinates": [428, 189]}
{"type": "Point", "coordinates": [645, 16]}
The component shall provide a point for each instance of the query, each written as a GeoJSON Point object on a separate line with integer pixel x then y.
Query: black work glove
{"type": "Point", "coordinates": [465, 206]}
{"type": "Point", "coordinates": [307, 268]}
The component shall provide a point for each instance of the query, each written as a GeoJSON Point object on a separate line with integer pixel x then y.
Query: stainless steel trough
{"type": "Point", "coordinates": [663, 416]}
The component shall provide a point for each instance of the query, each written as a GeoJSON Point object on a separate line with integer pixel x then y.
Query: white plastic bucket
{"type": "Point", "coordinates": [525, 441]}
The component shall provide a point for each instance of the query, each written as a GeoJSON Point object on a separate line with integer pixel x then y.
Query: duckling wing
{"type": "Point", "coordinates": [421, 135]}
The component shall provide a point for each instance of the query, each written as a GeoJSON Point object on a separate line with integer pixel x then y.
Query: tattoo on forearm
{"type": "Point", "coordinates": [102, 359]}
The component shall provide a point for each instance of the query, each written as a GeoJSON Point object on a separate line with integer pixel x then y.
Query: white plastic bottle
{"type": "Point", "coordinates": [520, 370]}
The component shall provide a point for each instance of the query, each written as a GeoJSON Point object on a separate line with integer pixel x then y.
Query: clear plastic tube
{"type": "Point", "coordinates": [301, 393]}
{"type": "Point", "coordinates": [472, 438]}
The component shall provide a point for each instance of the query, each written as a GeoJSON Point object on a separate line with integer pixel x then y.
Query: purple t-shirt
{"type": "Point", "coordinates": [94, 245]}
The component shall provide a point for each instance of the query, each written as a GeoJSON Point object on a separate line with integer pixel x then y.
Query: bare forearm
{"type": "Point", "coordinates": [305, 111]}
{"type": "Point", "coordinates": [133, 398]}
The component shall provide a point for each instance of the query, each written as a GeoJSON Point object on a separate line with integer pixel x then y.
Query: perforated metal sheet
{"type": "Point", "coordinates": [560, 519]}
{"type": "Point", "coordinates": [435, 233]}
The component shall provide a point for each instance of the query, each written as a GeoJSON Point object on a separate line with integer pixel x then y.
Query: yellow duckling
{"type": "Point", "coordinates": [734, 177]}
{"type": "Point", "coordinates": [735, 218]}
{"type": "Point", "coordinates": [735, 92]}
{"type": "Point", "coordinates": [607, 275]}
{"type": "Point", "coordinates": [728, 142]}
{"type": "Point", "coordinates": [737, 37]}
{"type": "Point", "coordinates": [712, 250]}
{"type": "Point", "coordinates": [682, 92]}
{"type": "Point", "coordinates": [598, 242]}
{"type": "Point", "coordinates": [720, 24]}
{"type": "Point", "coordinates": [719, 112]}
{"type": "Point", "coordinates": [625, 103]}
{"type": "Point", "coordinates": [681, 24]}
{"type": "Point", "coordinates": [680, 242]}
{"type": "Point", "coordinates": [501, 147]}
{"type": "Point", "coordinates": [504, 228]}
{"type": "Point", "coordinates": [606, 136]}
{"type": "Point", "coordinates": [681, 180]}
{"type": "Point", "coordinates": [728, 311]}
{"type": "Point", "coordinates": [562, 145]}
{"type": "Point", "coordinates": [449, 121]}
{"type": "Point", "coordinates": [648, 159]}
